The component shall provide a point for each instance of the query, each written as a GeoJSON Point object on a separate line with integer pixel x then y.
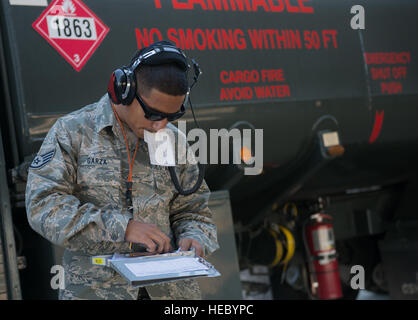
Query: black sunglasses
{"type": "Point", "coordinates": [155, 115]}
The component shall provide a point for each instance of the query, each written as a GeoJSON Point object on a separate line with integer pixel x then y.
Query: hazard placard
{"type": "Point", "coordinates": [72, 29]}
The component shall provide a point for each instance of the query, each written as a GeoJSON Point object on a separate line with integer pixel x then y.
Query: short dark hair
{"type": "Point", "coordinates": [167, 78]}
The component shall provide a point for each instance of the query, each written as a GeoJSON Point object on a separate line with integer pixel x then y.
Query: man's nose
{"type": "Point", "coordinates": [158, 125]}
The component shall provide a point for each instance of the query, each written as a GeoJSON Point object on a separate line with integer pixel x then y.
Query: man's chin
{"type": "Point", "coordinates": [140, 132]}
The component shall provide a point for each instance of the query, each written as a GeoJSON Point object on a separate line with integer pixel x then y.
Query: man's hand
{"type": "Point", "coordinates": [187, 243]}
{"type": "Point", "coordinates": [148, 235]}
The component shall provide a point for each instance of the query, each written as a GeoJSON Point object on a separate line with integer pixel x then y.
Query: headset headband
{"type": "Point", "coordinates": [122, 84]}
{"type": "Point", "coordinates": [161, 49]}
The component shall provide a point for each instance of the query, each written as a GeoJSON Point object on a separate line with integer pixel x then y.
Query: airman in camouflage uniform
{"type": "Point", "coordinates": [75, 198]}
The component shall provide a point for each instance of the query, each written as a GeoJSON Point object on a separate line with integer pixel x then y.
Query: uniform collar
{"type": "Point", "coordinates": [105, 116]}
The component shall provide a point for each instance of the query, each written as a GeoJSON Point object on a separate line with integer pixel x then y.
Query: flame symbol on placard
{"type": "Point", "coordinates": [68, 7]}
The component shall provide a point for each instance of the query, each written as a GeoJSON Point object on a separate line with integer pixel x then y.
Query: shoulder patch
{"type": "Point", "coordinates": [42, 160]}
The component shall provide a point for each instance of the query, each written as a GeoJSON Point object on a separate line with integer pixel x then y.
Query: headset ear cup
{"type": "Point", "coordinates": [131, 81]}
{"type": "Point", "coordinates": [121, 87]}
{"type": "Point", "coordinates": [111, 89]}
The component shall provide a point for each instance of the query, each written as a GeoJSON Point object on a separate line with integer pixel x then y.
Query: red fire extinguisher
{"type": "Point", "coordinates": [322, 256]}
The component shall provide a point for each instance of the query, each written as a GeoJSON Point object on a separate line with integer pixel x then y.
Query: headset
{"type": "Point", "coordinates": [122, 87]}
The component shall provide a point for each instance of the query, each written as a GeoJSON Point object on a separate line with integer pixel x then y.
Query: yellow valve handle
{"type": "Point", "coordinates": [290, 240]}
{"type": "Point", "coordinates": [279, 249]}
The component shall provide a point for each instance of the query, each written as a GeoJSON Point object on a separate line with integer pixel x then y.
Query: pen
{"type": "Point", "coordinates": [140, 254]}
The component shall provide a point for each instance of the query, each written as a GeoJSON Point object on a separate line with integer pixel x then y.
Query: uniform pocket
{"type": "Point", "coordinates": [97, 169]}
{"type": "Point", "coordinates": [99, 180]}
{"type": "Point", "coordinates": [162, 180]}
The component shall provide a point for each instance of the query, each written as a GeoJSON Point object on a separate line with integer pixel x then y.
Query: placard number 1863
{"type": "Point", "coordinates": [71, 28]}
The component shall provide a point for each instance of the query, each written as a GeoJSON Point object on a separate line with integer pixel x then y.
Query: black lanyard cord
{"type": "Point", "coordinates": [202, 167]}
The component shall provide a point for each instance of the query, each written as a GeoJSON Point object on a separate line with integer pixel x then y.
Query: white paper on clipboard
{"type": "Point", "coordinates": [154, 269]}
{"type": "Point", "coordinates": [165, 266]}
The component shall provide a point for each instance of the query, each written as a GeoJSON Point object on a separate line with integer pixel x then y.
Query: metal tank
{"type": "Point", "coordinates": [296, 69]}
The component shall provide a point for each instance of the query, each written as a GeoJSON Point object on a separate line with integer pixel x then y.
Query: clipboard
{"type": "Point", "coordinates": [154, 269]}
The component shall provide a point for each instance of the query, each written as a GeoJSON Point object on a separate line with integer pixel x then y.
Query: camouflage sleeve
{"type": "Point", "coordinates": [52, 209]}
{"type": "Point", "coordinates": [190, 216]}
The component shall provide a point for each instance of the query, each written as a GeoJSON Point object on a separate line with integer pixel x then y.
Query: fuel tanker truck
{"type": "Point", "coordinates": [320, 192]}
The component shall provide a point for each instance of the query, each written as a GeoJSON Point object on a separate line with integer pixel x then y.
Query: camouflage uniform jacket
{"type": "Point", "coordinates": [75, 197]}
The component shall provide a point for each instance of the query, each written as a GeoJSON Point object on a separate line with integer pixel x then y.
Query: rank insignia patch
{"type": "Point", "coordinates": [43, 159]}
